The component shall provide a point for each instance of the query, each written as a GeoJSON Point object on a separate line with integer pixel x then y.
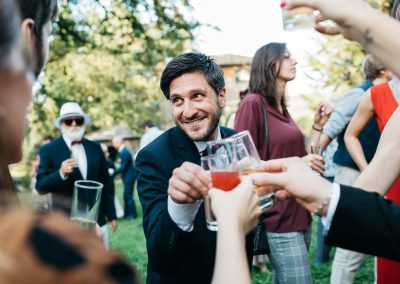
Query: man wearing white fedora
{"type": "Point", "coordinates": [71, 157]}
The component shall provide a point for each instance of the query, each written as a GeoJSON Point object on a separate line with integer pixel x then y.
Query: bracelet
{"type": "Point", "coordinates": [316, 129]}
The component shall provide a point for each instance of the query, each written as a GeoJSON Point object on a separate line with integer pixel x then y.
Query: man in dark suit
{"type": "Point", "coordinates": [70, 158]}
{"type": "Point", "coordinates": [170, 181]}
{"type": "Point", "coordinates": [127, 171]}
{"type": "Point", "coordinates": [353, 218]}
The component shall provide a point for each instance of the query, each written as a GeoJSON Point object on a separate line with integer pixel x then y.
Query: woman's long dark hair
{"type": "Point", "coordinates": [9, 31]}
{"type": "Point", "coordinates": [265, 70]}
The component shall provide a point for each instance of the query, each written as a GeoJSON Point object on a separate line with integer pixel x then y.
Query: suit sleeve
{"type": "Point", "coordinates": [107, 194]}
{"type": "Point", "coordinates": [48, 176]}
{"type": "Point", "coordinates": [366, 222]}
{"type": "Point", "coordinates": [166, 243]}
{"type": "Point", "coordinates": [125, 159]}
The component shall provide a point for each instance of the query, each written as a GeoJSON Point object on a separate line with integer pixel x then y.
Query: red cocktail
{"type": "Point", "coordinates": [225, 180]}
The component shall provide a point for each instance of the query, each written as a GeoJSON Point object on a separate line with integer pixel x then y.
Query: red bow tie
{"type": "Point", "coordinates": [76, 142]}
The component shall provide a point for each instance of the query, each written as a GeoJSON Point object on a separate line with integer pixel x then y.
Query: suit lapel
{"type": "Point", "coordinates": [89, 155]}
{"type": "Point", "coordinates": [63, 151]}
{"type": "Point", "coordinates": [186, 149]}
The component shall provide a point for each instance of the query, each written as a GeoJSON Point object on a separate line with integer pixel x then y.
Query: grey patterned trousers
{"type": "Point", "coordinates": [289, 257]}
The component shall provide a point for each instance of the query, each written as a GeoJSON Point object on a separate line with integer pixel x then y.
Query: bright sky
{"type": "Point", "coordinates": [247, 25]}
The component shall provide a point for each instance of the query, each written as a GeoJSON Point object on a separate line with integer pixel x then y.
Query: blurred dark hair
{"type": "Point", "coordinates": [371, 67]}
{"type": "Point", "coordinates": [243, 93]}
{"type": "Point", "coordinates": [264, 71]}
{"type": "Point", "coordinates": [192, 63]}
{"type": "Point", "coordinates": [147, 123]}
{"type": "Point", "coordinates": [41, 12]}
{"type": "Point", "coordinates": [395, 13]}
{"type": "Point", "coordinates": [9, 31]}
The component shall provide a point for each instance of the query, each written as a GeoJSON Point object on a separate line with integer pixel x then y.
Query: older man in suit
{"type": "Point", "coordinates": [70, 158]}
{"type": "Point", "coordinates": [127, 172]}
{"type": "Point", "coordinates": [170, 181]}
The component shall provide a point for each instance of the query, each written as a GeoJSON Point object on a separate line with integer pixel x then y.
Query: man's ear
{"type": "Point", "coordinates": [222, 97]}
{"type": "Point", "coordinates": [28, 33]}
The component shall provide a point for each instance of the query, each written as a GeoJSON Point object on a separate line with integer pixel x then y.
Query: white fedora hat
{"type": "Point", "coordinates": [70, 109]}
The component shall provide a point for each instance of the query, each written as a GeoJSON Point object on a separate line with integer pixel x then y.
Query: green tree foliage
{"type": "Point", "coordinates": [335, 68]}
{"type": "Point", "coordinates": [107, 56]}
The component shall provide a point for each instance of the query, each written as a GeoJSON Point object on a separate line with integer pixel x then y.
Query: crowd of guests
{"type": "Point", "coordinates": [48, 248]}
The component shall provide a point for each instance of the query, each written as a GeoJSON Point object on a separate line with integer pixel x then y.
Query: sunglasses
{"type": "Point", "coordinates": [78, 121]}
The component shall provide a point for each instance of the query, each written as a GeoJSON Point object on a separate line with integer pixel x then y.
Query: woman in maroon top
{"type": "Point", "coordinates": [288, 225]}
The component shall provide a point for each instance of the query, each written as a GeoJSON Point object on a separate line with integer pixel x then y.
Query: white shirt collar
{"type": "Point", "coordinates": [202, 145]}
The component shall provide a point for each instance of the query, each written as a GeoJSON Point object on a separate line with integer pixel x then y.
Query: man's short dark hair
{"type": "Point", "coordinates": [192, 63]}
{"type": "Point", "coordinates": [148, 123]}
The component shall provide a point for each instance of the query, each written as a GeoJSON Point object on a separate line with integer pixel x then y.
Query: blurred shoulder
{"type": "Point", "coordinates": [158, 145]}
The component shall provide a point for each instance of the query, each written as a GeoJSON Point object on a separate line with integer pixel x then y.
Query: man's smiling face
{"type": "Point", "coordinates": [196, 107]}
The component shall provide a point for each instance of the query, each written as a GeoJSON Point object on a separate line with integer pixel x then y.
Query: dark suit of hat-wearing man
{"type": "Point", "coordinates": [127, 171]}
{"type": "Point", "coordinates": [70, 158]}
{"type": "Point", "coordinates": [170, 181]}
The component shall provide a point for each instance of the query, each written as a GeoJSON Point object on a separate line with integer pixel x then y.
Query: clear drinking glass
{"type": "Point", "coordinates": [299, 18]}
{"type": "Point", "coordinates": [224, 176]}
{"type": "Point", "coordinates": [211, 221]}
{"type": "Point", "coordinates": [248, 161]}
{"type": "Point", "coordinates": [243, 157]}
{"type": "Point", "coordinates": [86, 203]}
{"type": "Point", "coordinates": [318, 149]}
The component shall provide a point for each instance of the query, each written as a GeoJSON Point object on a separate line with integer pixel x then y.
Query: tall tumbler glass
{"type": "Point", "coordinates": [224, 176]}
{"type": "Point", "coordinates": [85, 203]}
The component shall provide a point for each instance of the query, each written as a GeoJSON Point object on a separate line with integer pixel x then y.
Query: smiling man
{"type": "Point", "coordinates": [169, 179]}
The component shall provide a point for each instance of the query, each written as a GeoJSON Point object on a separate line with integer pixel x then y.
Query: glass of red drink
{"type": "Point", "coordinates": [224, 175]}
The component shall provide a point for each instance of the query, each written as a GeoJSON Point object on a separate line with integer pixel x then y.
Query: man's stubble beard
{"type": "Point", "coordinates": [210, 130]}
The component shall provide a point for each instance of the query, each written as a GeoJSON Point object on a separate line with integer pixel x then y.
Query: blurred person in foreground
{"type": "Point", "coordinates": [26, 237]}
{"type": "Point", "coordinates": [358, 21]}
{"type": "Point", "coordinates": [34, 27]}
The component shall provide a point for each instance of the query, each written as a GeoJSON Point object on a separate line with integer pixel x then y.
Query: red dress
{"type": "Point", "coordinates": [385, 103]}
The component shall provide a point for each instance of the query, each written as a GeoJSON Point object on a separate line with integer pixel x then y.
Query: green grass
{"type": "Point", "coordinates": [129, 240]}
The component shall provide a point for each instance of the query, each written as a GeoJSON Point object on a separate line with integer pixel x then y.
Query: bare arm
{"type": "Point", "coordinates": [363, 114]}
{"type": "Point", "coordinates": [359, 22]}
{"type": "Point", "coordinates": [237, 213]}
{"type": "Point", "coordinates": [385, 166]}
{"type": "Point", "coordinates": [321, 117]}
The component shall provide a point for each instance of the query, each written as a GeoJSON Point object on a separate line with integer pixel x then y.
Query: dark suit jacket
{"type": "Point", "coordinates": [49, 179]}
{"type": "Point", "coordinates": [174, 256]}
{"type": "Point", "coordinates": [126, 168]}
{"type": "Point", "coordinates": [366, 222]}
